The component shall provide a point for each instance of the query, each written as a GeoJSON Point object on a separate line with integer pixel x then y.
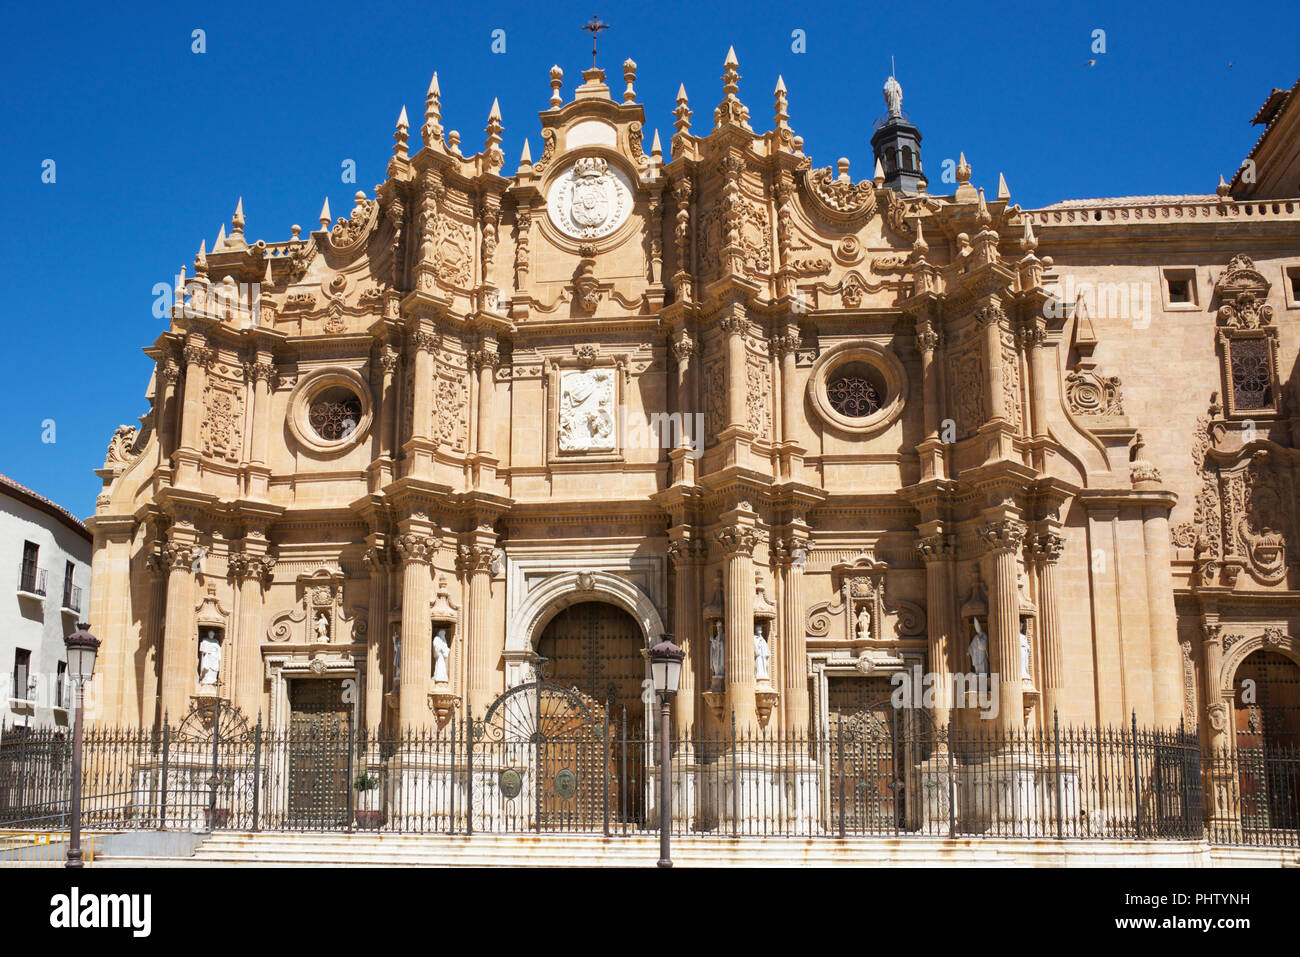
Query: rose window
{"type": "Point", "coordinates": [334, 414]}
{"type": "Point", "coordinates": [854, 396]}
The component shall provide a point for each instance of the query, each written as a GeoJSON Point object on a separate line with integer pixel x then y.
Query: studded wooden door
{"type": "Point", "coordinates": [1267, 725]}
{"type": "Point", "coordinates": [317, 754]}
{"type": "Point", "coordinates": [596, 648]}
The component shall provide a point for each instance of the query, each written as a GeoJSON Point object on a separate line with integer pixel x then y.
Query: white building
{"type": "Point", "coordinates": [46, 550]}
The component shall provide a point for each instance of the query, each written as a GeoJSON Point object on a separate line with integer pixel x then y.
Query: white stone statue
{"type": "Point", "coordinates": [441, 656]}
{"type": "Point", "coordinates": [979, 650]}
{"type": "Point", "coordinates": [397, 657]}
{"type": "Point", "coordinates": [1026, 652]}
{"type": "Point", "coordinates": [322, 627]}
{"type": "Point", "coordinates": [762, 655]}
{"type": "Point", "coordinates": [718, 650]}
{"type": "Point", "coordinates": [864, 623]}
{"type": "Point", "coordinates": [587, 410]}
{"type": "Point", "coordinates": [209, 658]}
{"type": "Point", "coordinates": [893, 98]}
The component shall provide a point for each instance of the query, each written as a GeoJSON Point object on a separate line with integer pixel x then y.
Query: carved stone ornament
{"type": "Point", "coordinates": [1243, 291]}
{"type": "Point", "coordinates": [122, 448]}
{"type": "Point", "coordinates": [586, 410]}
{"type": "Point", "coordinates": [840, 197]}
{"type": "Point", "coordinates": [1089, 393]}
{"type": "Point", "coordinates": [590, 200]}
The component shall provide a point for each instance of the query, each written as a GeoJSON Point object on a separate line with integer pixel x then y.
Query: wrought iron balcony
{"type": "Point", "coordinates": [71, 598]}
{"type": "Point", "coordinates": [31, 580]}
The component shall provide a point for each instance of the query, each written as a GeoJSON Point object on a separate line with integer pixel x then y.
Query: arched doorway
{"type": "Point", "coordinates": [1266, 726]}
{"type": "Point", "coordinates": [598, 649]}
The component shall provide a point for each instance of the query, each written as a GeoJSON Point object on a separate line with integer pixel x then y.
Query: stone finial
{"type": "Point", "coordinates": [982, 213]}
{"type": "Point", "coordinates": [781, 105]}
{"type": "Point", "coordinates": [1223, 189]}
{"type": "Point", "coordinates": [683, 113]}
{"type": "Point", "coordinates": [325, 214]}
{"type": "Point", "coordinates": [237, 220]}
{"type": "Point", "coordinates": [557, 78]}
{"type": "Point", "coordinates": [842, 168]}
{"type": "Point", "coordinates": [1028, 241]}
{"type": "Point", "coordinates": [963, 170]}
{"type": "Point", "coordinates": [919, 246]}
{"type": "Point", "coordinates": [400, 134]}
{"type": "Point", "coordinates": [629, 74]}
{"type": "Point", "coordinates": [453, 142]}
{"type": "Point", "coordinates": [731, 110]}
{"type": "Point", "coordinates": [1004, 194]}
{"type": "Point", "coordinates": [221, 238]}
{"type": "Point", "coordinates": [525, 159]}
{"type": "Point", "coordinates": [731, 73]}
{"type": "Point", "coordinates": [432, 130]}
{"type": "Point", "coordinates": [295, 230]}
{"type": "Point", "coordinates": [492, 146]}
{"type": "Point", "coordinates": [878, 175]}
{"type": "Point", "coordinates": [656, 148]}
{"type": "Point", "coordinates": [201, 261]}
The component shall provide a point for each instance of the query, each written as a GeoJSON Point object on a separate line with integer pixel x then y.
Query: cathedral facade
{"type": "Point", "coordinates": [824, 431]}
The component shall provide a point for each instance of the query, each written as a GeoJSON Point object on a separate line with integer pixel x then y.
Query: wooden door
{"type": "Point", "coordinates": [317, 752]}
{"type": "Point", "coordinates": [1266, 715]}
{"type": "Point", "coordinates": [597, 649]}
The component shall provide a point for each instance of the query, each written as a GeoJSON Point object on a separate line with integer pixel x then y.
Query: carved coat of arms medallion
{"type": "Point", "coordinates": [590, 200]}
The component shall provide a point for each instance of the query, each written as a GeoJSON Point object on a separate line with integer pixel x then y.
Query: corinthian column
{"type": "Point", "coordinates": [991, 317]}
{"type": "Point", "coordinates": [685, 554]}
{"type": "Point", "coordinates": [734, 325]}
{"type": "Point", "coordinates": [1044, 552]}
{"type": "Point", "coordinates": [937, 555]}
{"type": "Point", "coordinates": [737, 541]}
{"type": "Point", "coordinates": [1216, 710]}
{"type": "Point", "coordinates": [197, 357]}
{"type": "Point", "coordinates": [416, 545]}
{"type": "Point", "coordinates": [252, 571]}
{"type": "Point", "coordinates": [791, 553]}
{"type": "Point", "coordinates": [1003, 538]}
{"type": "Point", "coordinates": [168, 375]}
{"type": "Point", "coordinates": [476, 562]}
{"type": "Point", "coordinates": [376, 560]}
{"type": "Point", "coordinates": [180, 664]}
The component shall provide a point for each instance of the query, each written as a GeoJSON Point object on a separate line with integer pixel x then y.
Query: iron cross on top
{"type": "Point", "coordinates": [594, 28]}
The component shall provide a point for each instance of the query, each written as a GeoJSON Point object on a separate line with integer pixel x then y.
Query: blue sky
{"type": "Point", "coordinates": [153, 143]}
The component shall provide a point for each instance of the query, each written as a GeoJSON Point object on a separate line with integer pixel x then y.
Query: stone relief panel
{"type": "Point", "coordinates": [223, 413]}
{"type": "Point", "coordinates": [1011, 379]}
{"type": "Point", "coordinates": [966, 375]}
{"type": "Point", "coordinates": [450, 412]}
{"type": "Point", "coordinates": [715, 398]}
{"type": "Point", "coordinates": [756, 397]}
{"type": "Point", "coordinates": [586, 412]}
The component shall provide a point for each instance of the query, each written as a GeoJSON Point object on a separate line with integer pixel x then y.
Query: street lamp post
{"type": "Point", "coordinates": [82, 648]}
{"type": "Point", "coordinates": [666, 667]}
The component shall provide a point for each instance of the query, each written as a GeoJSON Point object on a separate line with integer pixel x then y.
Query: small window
{"type": "Point", "coordinates": [71, 599]}
{"type": "Point", "coordinates": [1252, 374]}
{"type": "Point", "coordinates": [22, 672]}
{"type": "Point", "coordinates": [1180, 288]}
{"type": "Point", "coordinates": [1292, 286]}
{"type": "Point", "coordinates": [60, 689]}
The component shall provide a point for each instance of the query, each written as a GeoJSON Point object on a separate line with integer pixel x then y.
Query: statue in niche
{"type": "Point", "coordinates": [762, 655]}
{"type": "Point", "coordinates": [322, 627]}
{"type": "Point", "coordinates": [397, 657]}
{"type": "Point", "coordinates": [717, 650]}
{"type": "Point", "coordinates": [979, 649]}
{"type": "Point", "coordinates": [1026, 651]}
{"type": "Point", "coordinates": [864, 623]}
{"type": "Point", "coordinates": [441, 656]}
{"type": "Point", "coordinates": [209, 657]}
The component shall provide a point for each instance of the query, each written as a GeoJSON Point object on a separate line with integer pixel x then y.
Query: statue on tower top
{"type": "Point", "coordinates": [894, 98]}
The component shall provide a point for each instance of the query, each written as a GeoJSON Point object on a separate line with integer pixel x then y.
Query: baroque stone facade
{"type": "Point", "coordinates": [723, 392]}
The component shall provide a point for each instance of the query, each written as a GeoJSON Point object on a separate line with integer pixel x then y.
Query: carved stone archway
{"type": "Point", "coordinates": [548, 598]}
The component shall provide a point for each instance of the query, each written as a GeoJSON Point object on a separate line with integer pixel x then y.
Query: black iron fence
{"type": "Point", "coordinates": [869, 777]}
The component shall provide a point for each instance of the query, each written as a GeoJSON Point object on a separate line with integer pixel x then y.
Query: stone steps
{"type": "Point", "coordinates": [280, 849]}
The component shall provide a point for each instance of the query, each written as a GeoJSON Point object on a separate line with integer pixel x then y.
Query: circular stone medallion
{"type": "Point", "coordinates": [566, 783]}
{"type": "Point", "coordinates": [590, 199]}
{"type": "Point", "coordinates": [511, 783]}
